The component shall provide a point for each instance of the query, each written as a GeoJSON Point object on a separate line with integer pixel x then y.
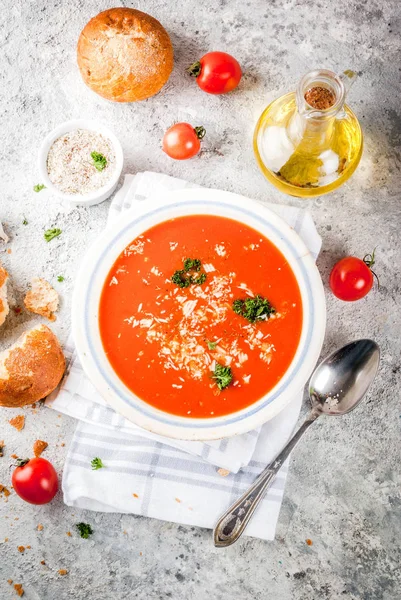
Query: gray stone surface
{"type": "Point", "coordinates": [343, 490]}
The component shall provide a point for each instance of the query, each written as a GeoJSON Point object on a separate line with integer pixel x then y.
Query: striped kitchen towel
{"type": "Point", "coordinates": [185, 482]}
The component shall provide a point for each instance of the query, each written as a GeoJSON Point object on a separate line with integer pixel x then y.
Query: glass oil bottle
{"type": "Point", "coordinates": [308, 142]}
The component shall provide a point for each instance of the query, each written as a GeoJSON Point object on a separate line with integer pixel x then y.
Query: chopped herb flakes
{"type": "Point", "coordinates": [85, 530]}
{"type": "Point", "coordinates": [51, 233]}
{"type": "Point", "coordinates": [97, 464]}
{"type": "Point", "coordinates": [183, 277]}
{"type": "Point", "coordinates": [211, 345]}
{"type": "Point", "coordinates": [99, 161]}
{"type": "Point", "coordinates": [38, 187]}
{"type": "Point", "coordinates": [222, 375]}
{"type": "Point", "coordinates": [253, 309]}
{"type": "Point", "coordinates": [60, 278]}
{"type": "Point", "coordinates": [25, 222]}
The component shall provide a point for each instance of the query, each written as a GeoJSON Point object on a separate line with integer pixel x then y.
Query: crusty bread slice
{"type": "Point", "coordinates": [31, 368]}
{"type": "Point", "coordinates": [42, 299]}
{"type": "Point", "coordinates": [4, 308]}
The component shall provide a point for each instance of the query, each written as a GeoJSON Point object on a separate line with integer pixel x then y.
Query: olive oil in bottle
{"type": "Point", "coordinates": [308, 142]}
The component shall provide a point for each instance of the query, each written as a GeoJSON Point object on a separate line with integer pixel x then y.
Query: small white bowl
{"type": "Point", "coordinates": [92, 197]}
{"type": "Point", "coordinates": [108, 246]}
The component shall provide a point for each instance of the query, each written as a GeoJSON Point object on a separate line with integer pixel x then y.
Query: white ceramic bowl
{"type": "Point", "coordinates": [92, 197]}
{"type": "Point", "coordinates": [112, 242]}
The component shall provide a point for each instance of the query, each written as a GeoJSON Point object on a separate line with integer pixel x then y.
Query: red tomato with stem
{"type": "Point", "coordinates": [216, 72]}
{"type": "Point", "coordinates": [183, 141]}
{"type": "Point", "coordinates": [35, 480]}
{"type": "Point", "coordinates": [352, 278]}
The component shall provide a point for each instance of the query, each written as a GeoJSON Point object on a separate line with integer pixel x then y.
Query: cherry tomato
{"type": "Point", "coordinates": [352, 278]}
{"type": "Point", "coordinates": [35, 481]}
{"type": "Point", "coordinates": [216, 73]}
{"type": "Point", "coordinates": [182, 141]}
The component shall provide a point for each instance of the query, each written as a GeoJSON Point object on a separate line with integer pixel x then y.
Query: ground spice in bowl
{"type": "Point", "coordinates": [320, 97]}
{"type": "Point", "coordinates": [81, 161]}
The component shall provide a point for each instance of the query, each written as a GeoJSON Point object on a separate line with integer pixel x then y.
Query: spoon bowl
{"type": "Point", "coordinates": [341, 381]}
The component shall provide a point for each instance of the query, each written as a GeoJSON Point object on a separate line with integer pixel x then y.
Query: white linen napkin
{"type": "Point", "coordinates": [146, 474]}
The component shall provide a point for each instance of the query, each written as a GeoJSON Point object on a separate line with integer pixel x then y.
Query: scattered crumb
{"type": "Point", "coordinates": [4, 490]}
{"type": "Point", "coordinates": [38, 447]}
{"type": "Point", "coordinates": [14, 456]}
{"type": "Point", "coordinates": [28, 547]}
{"type": "Point", "coordinates": [62, 444]}
{"type": "Point", "coordinates": [18, 589]}
{"type": "Point", "coordinates": [40, 527]}
{"type": "Point", "coordinates": [21, 549]}
{"type": "Point", "coordinates": [309, 542]}
{"type": "Point", "coordinates": [62, 571]}
{"type": "Point", "coordinates": [42, 562]}
{"type": "Point", "coordinates": [135, 495]}
{"type": "Point", "coordinates": [42, 299]}
{"type": "Point", "coordinates": [140, 554]}
{"type": "Point", "coordinates": [9, 581]}
{"type": "Point", "coordinates": [9, 252]}
{"type": "Point", "coordinates": [6, 539]}
{"type": "Point", "coordinates": [223, 472]}
{"type": "Point", "coordinates": [18, 422]}
{"type": "Point", "coordinates": [2, 447]}
{"type": "Point", "coordinates": [16, 518]}
{"type": "Point", "coordinates": [190, 508]}
{"type": "Point", "coordinates": [69, 533]}
{"type": "Point", "coordinates": [17, 310]}
{"type": "Point", "coordinates": [124, 532]}
{"type": "Point", "coordinates": [177, 500]}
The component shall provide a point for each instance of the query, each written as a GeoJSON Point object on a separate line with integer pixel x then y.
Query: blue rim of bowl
{"type": "Point", "coordinates": [228, 419]}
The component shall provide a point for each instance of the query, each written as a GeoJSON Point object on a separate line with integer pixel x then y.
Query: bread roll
{"type": "Point", "coordinates": [31, 368]}
{"type": "Point", "coordinates": [125, 55]}
{"type": "Point", "coordinates": [42, 299]}
{"type": "Point", "coordinates": [4, 308]}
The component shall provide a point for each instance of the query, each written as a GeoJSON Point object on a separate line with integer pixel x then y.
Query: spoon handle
{"type": "Point", "coordinates": [231, 525]}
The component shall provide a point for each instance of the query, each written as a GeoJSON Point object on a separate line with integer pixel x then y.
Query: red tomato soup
{"type": "Point", "coordinates": [203, 337]}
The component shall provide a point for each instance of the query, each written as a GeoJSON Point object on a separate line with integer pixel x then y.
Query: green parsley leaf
{"type": "Point", "coordinates": [99, 161]}
{"type": "Point", "coordinates": [222, 375]}
{"type": "Point", "coordinates": [211, 345]}
{"type": "Point", "coordinates": [39, 187]}
{"type": "Point", "coordinates": [51, 233]}
{"type": "Point", "coordinates": [97, 464]}
{"type": "Point", "coordinates": [60, 278]}
{"type": "Point", "coordinates": [85, 530]}
{"type": "Point", "coordinates": [192, 264]}
{"type": "Point", "coordinates": [25, 222]}
{"type": "Point", "coordinates": [253, 309]}
{"type": "Point", "coordinates": [183, 277]}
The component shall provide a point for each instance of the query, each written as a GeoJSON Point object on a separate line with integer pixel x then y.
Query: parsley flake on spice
{"type": "Point", "coordinates": [51, 233]}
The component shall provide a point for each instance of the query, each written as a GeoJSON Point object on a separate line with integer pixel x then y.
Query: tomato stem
{"type": "Point", "coordinates": [369, 260]}
{"type": "Point", "coordinates": [21, 462]}
{"type": "Point", "coordinates": [195, 69]}
{"type": "Point", "coordinates": [200, 132]}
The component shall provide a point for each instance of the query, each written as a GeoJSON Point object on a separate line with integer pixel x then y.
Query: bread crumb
{"type": "Point", "coordinates": [135, 495]}
{"type": "Point", "coordinates": [18, 422]}
{"type": "Point", "coordinates": [2, 445]}
{"type": "Point", "coordinates": [14, 456]}
{"type": "Point", "coordinates": [21, 549]}
{"type": "Point", "coordinates": [124, 532]}
{"type": "Point", "coordinates": [28, 547]}
{"type": "Point", "coordinates": [6, 539]}
{"type": "Point", "coordinates": [9, 581]}
{"type": "Point", "coordinates": [223, 472]}
{"type": "Point", "coordinates": [38, 447]}
{"type": "Point", "coordinates": [42, 562]}
{"type": "Point", "coordinates": [69, 533]}
{"type": "Point", "coordinates": [62, 444]}
{"type": "Point", "coordinates": [40, 527]}
{"type": "Point", "coordinates": [4, 490]}
{"type": "Point", "coordinates": [62, 571]}
{"type": "Point", "coordinates": [309, 542]}
{"type": "Point", "coordinates": [42, 299]}
{"type": "Point", "coordinates": [9, 251]}
{"type": "Point", "coordinates": [18, 589]}
{"type": "Point", "coordinates": [140, 554]}
{"type": "Point", "coordinates": [178, 500]}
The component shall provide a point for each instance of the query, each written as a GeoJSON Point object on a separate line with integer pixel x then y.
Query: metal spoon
{"type": "Point", "coordinates": [336, 387]}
